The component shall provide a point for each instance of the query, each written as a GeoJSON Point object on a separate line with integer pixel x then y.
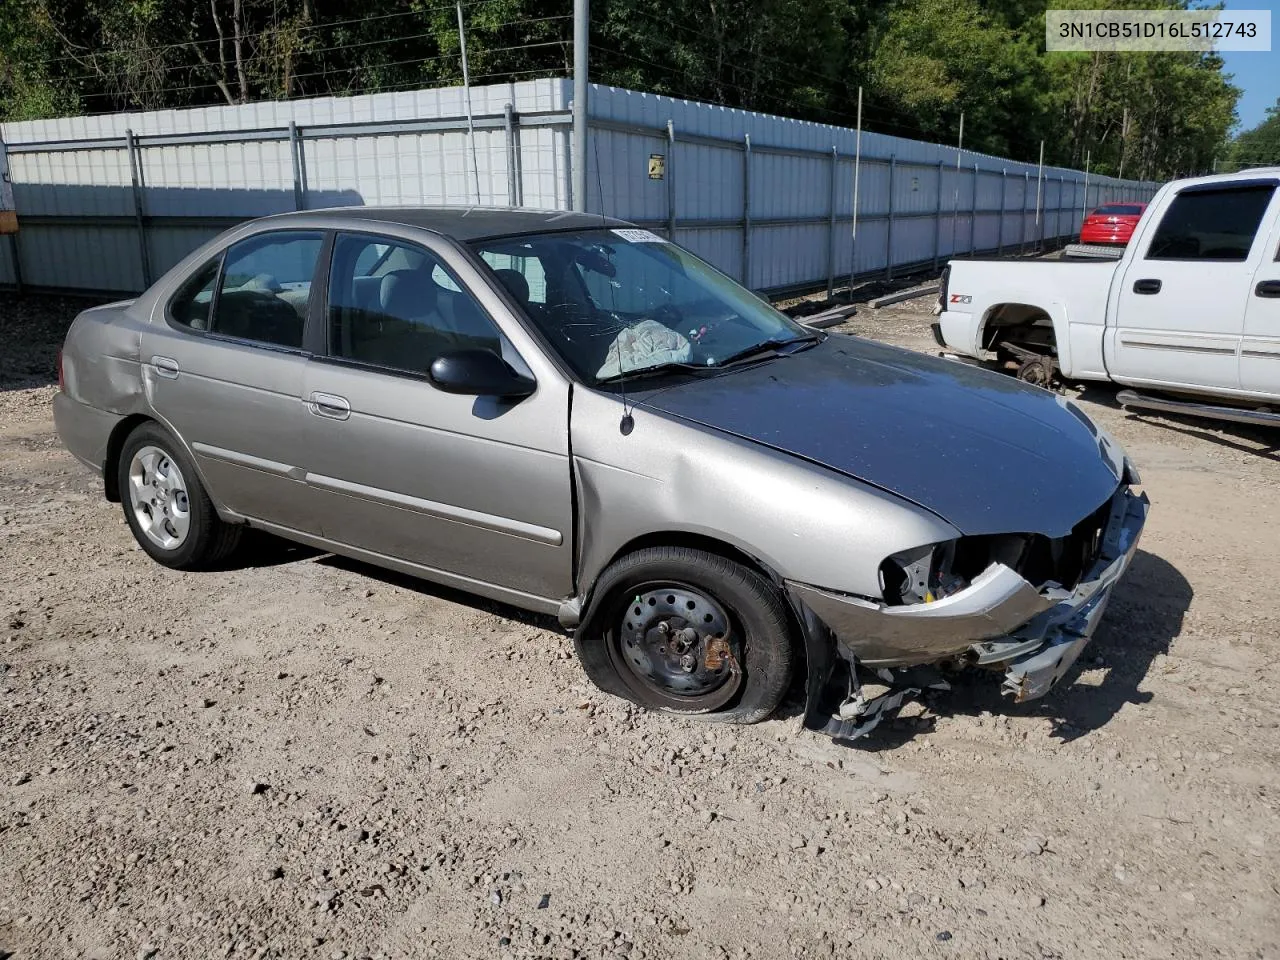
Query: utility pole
{"type": "Point", "coordinates": [1124, 137]}
{"type": "Point", "coordinates": [955, 199]}
{"type": "Point", "coordinates": [1084, 205]}
{"type": "Point", "coordinates": [466, 84]}
{"type": "Point", "coordinates": [1040, 199]}
{"type": "Point", "coordinates": [581, 14]}
{"type": "Point", "coordinates": [857, 169]}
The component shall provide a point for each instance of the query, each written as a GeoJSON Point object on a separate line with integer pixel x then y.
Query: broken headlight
{"type": "Point", "coordinates": [937, 570]}
{"type": "Point", "coordinates": [922, 575]}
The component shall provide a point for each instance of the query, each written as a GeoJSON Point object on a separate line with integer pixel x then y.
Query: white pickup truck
{"type": "Point", "coordinates": [1192, 307]}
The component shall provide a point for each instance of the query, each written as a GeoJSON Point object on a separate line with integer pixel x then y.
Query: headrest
{"type": "Point", "coordinates": [514, 281]}
{"type": "Point", "coordinates": [407, 294]}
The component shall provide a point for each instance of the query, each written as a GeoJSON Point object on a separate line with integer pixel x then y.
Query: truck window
{"type": "Point", "coordinates": [1211, 224]}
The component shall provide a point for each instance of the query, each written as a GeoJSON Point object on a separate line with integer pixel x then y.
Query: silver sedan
{"type": "Point", "coordinates": [574, 416]}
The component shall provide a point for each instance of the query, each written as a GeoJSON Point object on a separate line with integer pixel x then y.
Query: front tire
{"type": "Point", "coordinates": [689, 632]}
{"type": "Point", "coordinates": [166, 506]}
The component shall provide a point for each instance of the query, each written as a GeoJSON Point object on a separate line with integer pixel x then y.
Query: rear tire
{"type": "Point", "coordinates": [166, 506]}
{"type": "Point", "coordinates": [689, 632]}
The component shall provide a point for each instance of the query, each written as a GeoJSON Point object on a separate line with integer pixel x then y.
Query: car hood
{"type": "Point", "coordinates": [985, 452]}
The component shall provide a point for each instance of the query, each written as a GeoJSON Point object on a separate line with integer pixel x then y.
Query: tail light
{"type": "Point", "coordinates": [62, 380]}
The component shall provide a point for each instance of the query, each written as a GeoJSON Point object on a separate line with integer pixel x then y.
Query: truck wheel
{"type": "Point", "coordinates": [686, 631]}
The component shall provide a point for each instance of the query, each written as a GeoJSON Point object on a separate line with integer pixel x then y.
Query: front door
{"type": "Point", "coordinates": [1179, 313]}
{"type": "Point", "coordinates": [224, 361]}
{"type": "Point", "coordinates": [475, 489]}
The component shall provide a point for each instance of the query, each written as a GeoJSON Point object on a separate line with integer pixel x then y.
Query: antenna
{"type": "Point", "coordinates": [628, 422]}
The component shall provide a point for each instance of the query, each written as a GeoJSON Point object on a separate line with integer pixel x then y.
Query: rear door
{"type": "Point", "coordinates": [1260, 349]}
{"type": "Point", "coordinates": [1179, 312]}
{"type": "Point", "coordinates": [224, 365]}
{"type": "Point", "coordinates": [474, 489]}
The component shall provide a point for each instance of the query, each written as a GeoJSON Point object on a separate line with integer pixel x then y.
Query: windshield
{"type": "Point", "coordinates": [1119, 210]}
{"type": "Point", "coordinates": [620, 302]}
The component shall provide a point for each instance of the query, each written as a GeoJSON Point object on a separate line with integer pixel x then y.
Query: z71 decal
{"type": "Point", "coordinates": [961, 298]}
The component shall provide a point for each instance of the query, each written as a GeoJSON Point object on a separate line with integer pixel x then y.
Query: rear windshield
{"type": "Point", "coordinates": [1119, 210]}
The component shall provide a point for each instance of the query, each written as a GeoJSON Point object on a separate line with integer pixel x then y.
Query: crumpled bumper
{"type": "Point", "coordinates": [999, 620]}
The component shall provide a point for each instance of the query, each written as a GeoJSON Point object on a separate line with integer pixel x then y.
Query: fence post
{"type": "Point", "coordinates": [937, 222]}
{"type": "Point", "coordinates": [973, 216]}
{"type": "Point", "coordinates": [888, 233]}
{"type": "Point", "coordinates": [1004, 182]}
{"type": "Point", "coordinates": [295, 157]}
{"type": "Point", "coordinates": [135, 174]}
{"type": "Point", "coordinates": [746, 210]}
{"type": "Point", "coordinates": [15, 253]}
{"type": "Point", "coordinates": [1022, 221]}
{"type": "Point", "coordinates": [509, 132]}
{"type": "Point", "coordinates": [671, 180]}
{"type": "Point", "coordinates": [831, 225]}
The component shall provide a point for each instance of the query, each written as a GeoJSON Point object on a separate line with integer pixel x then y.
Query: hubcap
{"type": "Point", "coordinates": [676, 640]}
{"type": "Point", "coordinates": [158, 498]}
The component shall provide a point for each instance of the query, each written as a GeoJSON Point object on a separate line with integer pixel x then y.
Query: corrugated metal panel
{"type": "Point", "coordinates": [98, 257]}
{"type": "Point", "coordinates": [7, 276]}
{"type": "Point", "coordinates": [797, 196]}
{"type": "Point", "coordinates": [790, 191]}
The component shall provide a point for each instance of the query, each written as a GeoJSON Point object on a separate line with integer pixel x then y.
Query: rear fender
{"type": "Point", "coordinates": [1055, 310]}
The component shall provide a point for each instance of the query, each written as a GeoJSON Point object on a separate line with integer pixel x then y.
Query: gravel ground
{"type": "Point", "coordinates": [306, 757]}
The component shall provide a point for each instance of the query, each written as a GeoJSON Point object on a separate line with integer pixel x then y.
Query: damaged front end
{"type": "Point", "coordinates": [1021, 604]}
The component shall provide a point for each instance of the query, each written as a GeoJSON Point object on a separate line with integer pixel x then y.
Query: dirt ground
{"type": "Point", "coordinates": [306, 757]}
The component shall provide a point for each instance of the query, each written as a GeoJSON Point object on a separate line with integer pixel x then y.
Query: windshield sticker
{"type": "Point", "coordinates": [639, 236]}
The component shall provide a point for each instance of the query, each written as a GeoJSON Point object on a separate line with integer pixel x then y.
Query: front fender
{"type": "Point", "coordinates": [797, 520]}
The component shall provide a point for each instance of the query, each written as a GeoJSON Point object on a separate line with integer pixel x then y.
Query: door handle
{"type": "Point", "coordinates": [1146, 286]}
{"type": "Point", "coordinates": [330, 405]}
{"type": "Point", "coordinates": [1267, 288]}
{"type": "Point", "coordinates": [165, 367]}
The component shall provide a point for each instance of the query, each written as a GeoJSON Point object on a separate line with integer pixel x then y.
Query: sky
{"type": "Point", "coordinates": [1256, 73]}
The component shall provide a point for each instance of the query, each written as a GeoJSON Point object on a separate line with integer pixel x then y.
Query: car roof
{"type": "Point", "coordinates": [460, 223]}
{"type": "Point", "coordinates": [1249, 173]}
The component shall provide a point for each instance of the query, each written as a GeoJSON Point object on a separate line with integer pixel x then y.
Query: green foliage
{"type": "Point", "coordinates": [936, 59]}
{"type": "Point", "coordinates": [1259, 146]}
{"type": "Point", "coordinates": [922, 63]}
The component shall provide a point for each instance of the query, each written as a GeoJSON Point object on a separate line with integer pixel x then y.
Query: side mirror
{"type": "Point", "coordinates": [479, 373]}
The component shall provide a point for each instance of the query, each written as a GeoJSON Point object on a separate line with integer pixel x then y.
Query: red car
{"type": "Point", "coordinates": [1112, 223]}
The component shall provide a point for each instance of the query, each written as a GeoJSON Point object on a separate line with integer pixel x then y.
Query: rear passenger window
{"type": "Point", "coordinates": [266, 284]}
{"type": "Point", "coordinates": [190, 306]}
{"type": "Point", "coordinates": [1211, 224]}
{"type": "Point", "coordinates": [401, 308]}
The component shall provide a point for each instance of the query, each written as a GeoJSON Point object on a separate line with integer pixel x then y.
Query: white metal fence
{"type": "Point", "coordinates": [107, 204]}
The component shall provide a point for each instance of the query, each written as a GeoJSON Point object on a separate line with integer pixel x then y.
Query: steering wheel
{"type": "Point", "coordinates": [669, 316]}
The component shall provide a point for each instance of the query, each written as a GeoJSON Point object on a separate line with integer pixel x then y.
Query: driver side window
{"type": "Point", "coordinates": [400, 308]}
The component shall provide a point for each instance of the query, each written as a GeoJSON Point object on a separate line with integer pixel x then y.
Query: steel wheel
{"type": "Point", "coordinates": [158, 497]}
{"type": "Point", "coordinates": [677, 641]}
{"type": "Point", "coordinates": [688, 632]}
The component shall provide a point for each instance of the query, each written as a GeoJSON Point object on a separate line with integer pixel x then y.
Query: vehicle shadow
{"type": "Point", "coordinates": [1142, 619]}
{"type": "Point", "coordinates": [1243, 437]}
{"type": "Point", "coordinates": [428, 589]}
{"type": "Point", "coordinates": [1144, 616]}
{"type": "Point", "coordinates": [259, 549]}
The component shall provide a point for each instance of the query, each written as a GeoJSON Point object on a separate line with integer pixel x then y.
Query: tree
{"type": "Point", "coordinates": [1259, 146]}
